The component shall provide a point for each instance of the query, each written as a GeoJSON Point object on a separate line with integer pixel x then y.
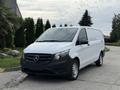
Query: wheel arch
{"type": "Point", "coordinates": [103, 53]}
{"type": "Point", "coordinates": [78, 60]}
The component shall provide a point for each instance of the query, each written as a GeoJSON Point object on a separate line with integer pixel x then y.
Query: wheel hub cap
{"type": "Point", "coordinates": [101, 60]}
{"type": "Point", "coordinates": [75, 70]}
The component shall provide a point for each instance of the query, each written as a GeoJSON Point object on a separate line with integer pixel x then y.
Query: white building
{"type": "Point", "coordinates": [12, 4]}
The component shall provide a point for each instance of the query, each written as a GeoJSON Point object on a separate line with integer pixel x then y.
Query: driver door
{"type": "Point", "coordinates": [83, 48]}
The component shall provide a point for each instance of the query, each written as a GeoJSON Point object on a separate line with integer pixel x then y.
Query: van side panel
{"type": "Point", "coordinates": [96, 42]}
{"type": "Point", "coordinates": [96, 45]}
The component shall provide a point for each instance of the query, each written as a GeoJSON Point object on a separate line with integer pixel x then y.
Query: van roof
{"type": "Point", "coordinates": [77, 27]}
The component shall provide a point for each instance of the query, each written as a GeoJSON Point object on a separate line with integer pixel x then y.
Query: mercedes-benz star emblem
{"type": "Point", "coordinates": [36, 58]}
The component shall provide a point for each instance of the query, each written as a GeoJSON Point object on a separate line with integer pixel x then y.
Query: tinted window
{"type": "Point", "coordinates": [58, 35]}
{"type": "Point", "coordinates": [82, 36]}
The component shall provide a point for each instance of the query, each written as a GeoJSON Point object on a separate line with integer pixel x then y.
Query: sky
{"type": "Point", "coordinates": [71, 11]}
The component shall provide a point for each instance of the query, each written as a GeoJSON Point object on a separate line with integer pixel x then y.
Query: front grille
{"type": "Point", "coordinates": [38, 57]}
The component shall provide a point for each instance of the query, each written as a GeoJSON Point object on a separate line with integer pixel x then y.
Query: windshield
{"type": "Point", "coordinates": [58, 35]}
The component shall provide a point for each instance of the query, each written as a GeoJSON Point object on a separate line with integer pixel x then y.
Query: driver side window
{"type": "Point", "coordinates": [82, 36]}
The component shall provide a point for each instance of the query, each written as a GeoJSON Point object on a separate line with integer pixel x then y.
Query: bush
{"type": "Point", "coordinates": [115, 34]}
{"type": "Point", "coordinates": [114, 44]}
{"type": "Point", "coordinates": [5, 50]}
{"type": "Point", "coordinates": [47, 25]}
{"type": "Point", "coordinates": [39, 28]}
{"type": "Point", "coordinates": [19, 39]}
{"type": "Point", "coordinates": [30, 33]}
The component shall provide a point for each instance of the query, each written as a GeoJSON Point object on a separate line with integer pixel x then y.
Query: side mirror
{"type": "Point", "coordinates": [84, 42]}
{"type": "Point", "coordinates": [77, 43]}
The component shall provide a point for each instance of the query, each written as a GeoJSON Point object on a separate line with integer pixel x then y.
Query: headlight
{"type": "Point", "coordinates": [57, 56]}
{"type": "Point", "coordinates": [61, 54]}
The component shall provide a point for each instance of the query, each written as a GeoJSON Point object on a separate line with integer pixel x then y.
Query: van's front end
{"type": "Point", "coordinates": [46, 64]}
{"type": "Point", "coordinates": [49, 54]}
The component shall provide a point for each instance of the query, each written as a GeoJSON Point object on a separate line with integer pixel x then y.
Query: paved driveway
{"type": "Point", "coordinates": [106, 77]}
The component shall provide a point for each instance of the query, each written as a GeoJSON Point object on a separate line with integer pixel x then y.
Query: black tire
{"type": "Point", "coordinates": [74, 71]}
{"type": "Point", "coordinates": [99, 62]}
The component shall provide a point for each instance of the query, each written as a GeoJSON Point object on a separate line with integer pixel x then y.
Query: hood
{"type": "Point", "coordinates": [48, 47]}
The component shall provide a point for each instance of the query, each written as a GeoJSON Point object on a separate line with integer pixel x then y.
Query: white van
{"type": "Point", "coordinates": [64, 51]}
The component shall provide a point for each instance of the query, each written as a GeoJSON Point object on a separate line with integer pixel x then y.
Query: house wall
{"type": "Point", "coordinates": [12, 4]}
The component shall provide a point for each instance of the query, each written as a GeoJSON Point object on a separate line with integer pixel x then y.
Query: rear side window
{"type": "Point", "coordinates": [94, 34]}
{"type": "Point", "coordinates": [82, 35]}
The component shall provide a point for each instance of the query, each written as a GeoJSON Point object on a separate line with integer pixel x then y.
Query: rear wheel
{"type": "Point", "coordinates": [74, 72]}
{"type": "Point", "coordinates": [99, 62]}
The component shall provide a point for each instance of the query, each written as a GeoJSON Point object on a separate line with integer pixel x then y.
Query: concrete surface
{"type": "Point", "coordinates": [106, 77]}
{"type": "Point", "coordinates": [8, 77]}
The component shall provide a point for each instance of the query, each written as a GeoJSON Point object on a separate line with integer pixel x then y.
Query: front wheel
{"type": "Point", "coordinates": [99, 62]}
{"type": "Point", "coordinates": [74, 72]}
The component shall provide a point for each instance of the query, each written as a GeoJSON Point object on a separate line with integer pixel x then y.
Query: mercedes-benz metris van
{"type": "Point", "coordinates": [64, 51]}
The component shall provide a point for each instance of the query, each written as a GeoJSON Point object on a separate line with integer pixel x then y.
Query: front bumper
{"type": "Point", "coordinates": [53, 67]}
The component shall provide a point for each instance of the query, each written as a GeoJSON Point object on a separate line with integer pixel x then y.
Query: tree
{"type": "Point", "coordinates": [9, 39]}
{"type": "Point", "coordinates": [65, 25]}
{"type": "Point", "coordinates": [47, 25]}
{"type": "Point", "coordinates": [71, 25]}
{"type": "Point", "coordinates": [3, 28]}
{"type": "Point", "coordinates": [39, 28]}
{"type": "Point", "coordinates": [60, 25]}
{"type": "Point", "coordinates": [8, 23]}
{"type": "Point", "coordinates": [29, 28]}
{"type": "Point", "coordinates": [19, 39]}
{"type": "Point", "coordinates": [86, 20]}
{"type": "Point", "coordinates": [53, 25]}
{"type": "Point", "coordinates": [115, 34]}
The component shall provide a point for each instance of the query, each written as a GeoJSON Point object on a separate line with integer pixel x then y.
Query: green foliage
{"type": "Point", "coordinates": [9, 62]}
{"type": "Point", "coordinates": [115, 34]}
{"type": "Point", "coordinates": [5, 50]}
{"type": "Point", "coordinates": [47, 25]}
{"type": "Point", "coordinates": [9, 40]}
{"type": "Point", "coordinates": [29, 28]}
{"type": "Point", "coordinates": [53, 26]}
{"type": "Point", "coordinates": [19, 38]}
{"type": "Point", "coordinates": [65, 25]}
{"type": "Point", "coordinates": [86, 20]}
{"type": "Point", "coordinates": [114, 43]}
{"type": "Point", "coordinates": [2, 41]}
{"type": "Point", "coordinates": [39, 27]}
{"type": "Point", "coordinates": [60, 25]}
{"type": "Point", "coordinates": [8, 23]}
{"type": "Point", "coordinates": [5, 26]}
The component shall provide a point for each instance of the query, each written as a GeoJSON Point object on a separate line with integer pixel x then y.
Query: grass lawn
{"type": "Point", "coordinates": [114, 43]}
{"type": "Point", "coordinates": [10, 61]}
